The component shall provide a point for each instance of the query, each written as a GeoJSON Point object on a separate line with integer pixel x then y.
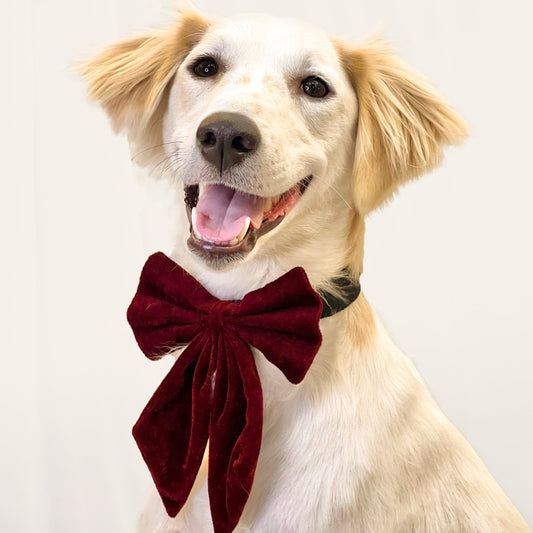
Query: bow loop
{"type": "Point", "coordinates": [213, 391]}
{"type": "Point", "coordinates": [281, 320]}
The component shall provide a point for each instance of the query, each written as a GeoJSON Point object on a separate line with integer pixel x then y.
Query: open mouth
{"type": "Point", "coordinates": [227, 221]}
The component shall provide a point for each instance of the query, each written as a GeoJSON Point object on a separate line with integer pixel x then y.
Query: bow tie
{"type": "Point", "coordinates": [213, 391]}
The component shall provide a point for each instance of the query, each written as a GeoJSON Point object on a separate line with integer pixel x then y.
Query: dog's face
{"type": "Point", "coordinates": [283, 137]}
{"type": "Point", "coordinates": [259, 112]}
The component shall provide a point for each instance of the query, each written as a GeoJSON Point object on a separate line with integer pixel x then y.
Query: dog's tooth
{"type": "Point", "coordinates": [193, 223]}
{"type": "Point", "coordinates": [201, 189]}
{"type": "Point", "coordinates": [244, 229]}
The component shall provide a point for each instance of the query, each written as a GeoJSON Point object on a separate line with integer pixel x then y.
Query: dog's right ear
{"type": "Point", "coordinates": [130, 80]}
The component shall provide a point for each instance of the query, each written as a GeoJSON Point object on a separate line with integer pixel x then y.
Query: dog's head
{"type": "Point", "coordinates": [283, 137]}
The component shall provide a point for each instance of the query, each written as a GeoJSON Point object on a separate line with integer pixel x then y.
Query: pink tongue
{"type": "Point", "coordinates": [221, 212]}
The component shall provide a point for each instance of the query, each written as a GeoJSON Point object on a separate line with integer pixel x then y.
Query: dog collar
{"type": "Point", "coordinates": [348, 289]}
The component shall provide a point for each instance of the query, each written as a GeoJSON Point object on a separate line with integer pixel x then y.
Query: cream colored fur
{"type": "Point", "coordinates": [360, 446]}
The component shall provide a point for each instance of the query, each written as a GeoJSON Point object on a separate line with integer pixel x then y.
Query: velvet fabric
{"type": "Point", "coordinates": [213, 392]}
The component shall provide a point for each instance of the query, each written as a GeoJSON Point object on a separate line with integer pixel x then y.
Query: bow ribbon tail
{"type": "Point", "coordinates": [172, 430]}
{"type": "Point", "coordinates": [234, 433]}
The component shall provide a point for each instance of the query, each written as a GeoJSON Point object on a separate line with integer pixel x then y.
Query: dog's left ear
{"type": "Point", "coordinates": [402, 123]}
{"type": "Point", "coordinates": [130, 80]}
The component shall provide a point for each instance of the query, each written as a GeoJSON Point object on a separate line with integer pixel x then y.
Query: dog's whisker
{"type": "Point", "coordinates": [166, 163]}
{"type": "Point", "coordinates": [176, 167]}
{"type": "Point", "coordinates": [330, 186]}
{"type": "Point", "coordinates": [154, 147]}
{"type": "Point", "coordinates": [167, 167]}
{"type": "Point", "coordinates": [176, 161]}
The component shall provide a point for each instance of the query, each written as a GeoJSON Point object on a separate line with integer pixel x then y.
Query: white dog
{"type": "Point", "coordinates": [285, 139]}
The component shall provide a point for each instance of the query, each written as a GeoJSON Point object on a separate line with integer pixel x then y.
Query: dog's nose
{"type": "Point", "coordinates": [225, 139]}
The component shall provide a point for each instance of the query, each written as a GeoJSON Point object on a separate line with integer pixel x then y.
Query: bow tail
{"type": "Point", "coordinates": [234, 432]}
{"type": "Point", "coordinates": [172, 430]}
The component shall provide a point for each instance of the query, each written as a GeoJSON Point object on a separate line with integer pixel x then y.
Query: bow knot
{"type": "Point", "coordinates": [213, 391]}
{"type": "Point", "coordinates": [215, 318]}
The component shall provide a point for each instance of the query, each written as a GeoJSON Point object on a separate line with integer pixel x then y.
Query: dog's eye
{"type": "Point", "coordinates": [205, 67]}
{"type": "Point", "coordinates": [315, 87]}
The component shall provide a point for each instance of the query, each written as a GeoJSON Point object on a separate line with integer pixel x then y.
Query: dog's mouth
{"type": "Point", "coordinates": [225, 221]}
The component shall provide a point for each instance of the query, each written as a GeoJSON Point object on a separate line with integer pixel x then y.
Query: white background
{"type": "Point", "coordinates": [448, 264]}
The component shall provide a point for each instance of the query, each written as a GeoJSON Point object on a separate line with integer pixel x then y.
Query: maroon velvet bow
{"type": "Point", "coordinates": [213, 390]}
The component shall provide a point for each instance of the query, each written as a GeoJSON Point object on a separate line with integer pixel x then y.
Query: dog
{"type": "Point", "coordinates": [284, 139]}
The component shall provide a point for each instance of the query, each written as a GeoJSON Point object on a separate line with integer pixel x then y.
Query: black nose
{"type": "Point", "coordinates": [225, 139]}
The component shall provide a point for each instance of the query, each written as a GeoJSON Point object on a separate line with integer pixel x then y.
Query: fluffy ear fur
{"type": "Point", "coordinates": [402, 123]}
{"type": "Point", "coordinates": [130, 80]}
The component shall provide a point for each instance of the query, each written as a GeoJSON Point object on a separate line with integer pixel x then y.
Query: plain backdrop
{"type": "Point", "coordinates": [448, 264]}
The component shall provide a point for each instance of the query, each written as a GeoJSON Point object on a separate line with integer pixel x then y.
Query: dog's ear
{"type": "Point", "coordinates": [402, 123]}
{"type": "Point", "coordinates": [130, 80]}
